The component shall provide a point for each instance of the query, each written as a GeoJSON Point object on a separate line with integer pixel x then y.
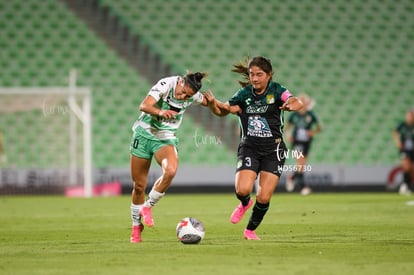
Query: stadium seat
{"type": "Point", "coordinates": [350, 60]}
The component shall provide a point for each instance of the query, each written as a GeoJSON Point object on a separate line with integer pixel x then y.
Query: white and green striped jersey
{"type": "Point", "coordinates": [160, 128]}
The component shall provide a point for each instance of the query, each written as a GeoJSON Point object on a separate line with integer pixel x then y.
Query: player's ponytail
{"type": "Point", "coordinates": [194, 80]}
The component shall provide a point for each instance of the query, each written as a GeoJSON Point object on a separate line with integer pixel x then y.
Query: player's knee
{"type": "Point", "coordinates": [169, 172]}
{"type": "Point", "coordinates": [263, 199]}
{"type": "Point", "coordinates": [139, 188]}
{"type": "Point", "coordinates": [243, 191]}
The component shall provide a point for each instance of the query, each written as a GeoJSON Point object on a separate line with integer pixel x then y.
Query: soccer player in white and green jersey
{"type": "Point", "coordinates": [154, 135]}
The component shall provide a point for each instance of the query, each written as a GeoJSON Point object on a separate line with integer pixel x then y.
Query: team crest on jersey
{"type": "Point", "coordinates": [239, 164]}
{"type": "Point", "coordinates": [270, 99]}
{"type": "Point", "coordinates": [258, 127]}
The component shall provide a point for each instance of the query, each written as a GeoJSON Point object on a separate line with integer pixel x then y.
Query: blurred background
{"type": "Point", "coordinates": [354, 58]}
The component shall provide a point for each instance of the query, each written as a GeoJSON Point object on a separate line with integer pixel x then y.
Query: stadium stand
{"type": "Point", "coordinates": [355, 58]}
{"type": "Point", "coordinates": [39, 48]}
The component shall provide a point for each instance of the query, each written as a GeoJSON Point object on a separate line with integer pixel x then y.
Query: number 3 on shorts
{"type": "Point", "coordinates": [248, 161]}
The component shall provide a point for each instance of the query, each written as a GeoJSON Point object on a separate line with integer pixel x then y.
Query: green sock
{"type": "Point", "coordinates": [259, 210]}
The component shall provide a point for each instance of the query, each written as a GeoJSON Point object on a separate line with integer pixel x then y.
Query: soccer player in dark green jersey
{"type": "Point", "coordinates": [259, 104]}
{"type": "Point", "coordinates": [403, 136]}
{"type": "Point", "coordinates": [302, 126]}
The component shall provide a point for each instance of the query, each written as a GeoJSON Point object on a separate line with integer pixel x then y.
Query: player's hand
{"type": "Point", "coordinates": [209, 96]}
{"type": "Point", "coordinates": [168, 114]}
{"type": "Point", "coordinates": [234, 109]}
{"type": "Point", "coordinates": [292, 104]}
{"type": "Point", "coordinates": [286, 107]}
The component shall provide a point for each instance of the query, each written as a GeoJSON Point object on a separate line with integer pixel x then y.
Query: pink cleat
{"type": "Point", "coordinates": [238, 213]}
{"type": "Point", "coordinates": [136, 233]}
{"type": "Point", "coordinates": [250, 235]}
{"type": "Point", "coordinates": [147, 216]}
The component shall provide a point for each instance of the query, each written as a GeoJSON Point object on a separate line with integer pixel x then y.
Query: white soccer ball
{"type": "Point", "coordinates": [190, 230]}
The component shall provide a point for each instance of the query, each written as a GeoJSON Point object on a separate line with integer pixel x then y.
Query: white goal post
{"type": "Point", "coordinates": [68, 105]}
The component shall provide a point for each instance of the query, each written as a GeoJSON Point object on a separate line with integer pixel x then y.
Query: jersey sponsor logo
{"type": "Point", "coordinates": [167, 121]}
{"type": "Point", "coordinates": [256, 109]}
{"type": "Point", "coordinates": [176, 105]}
{"type": "Point", "coordinates": [175, 109]}
{"type": "Point", "coordinates": [170, 105]}
{"type": "Point", "coordinates": [258, 127]}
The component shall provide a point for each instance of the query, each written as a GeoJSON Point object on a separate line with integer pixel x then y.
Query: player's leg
{"type": "Point", "coordinates": [304, 188]}
{"type": "Point", "coordinates": [167, 158]}
{"type": "Point", "coordinates": [290, 179]}
{"type": "Point", "coordinates": [406, 165]}
{"type": "Point", "coordinates": [410, 182]}
{"type": "Point", "coordinates": [410, 170]}
{"type": "Point", "coordinates": [267, 185]}
{"type": "Point", "coordinates": [139, 172]}
{"type": "Point", "coordinates": [244, 183]}
{"type": "Point", "coordinates": [302, 150]}
{"type": "Point", "coordinates": [270, 173]}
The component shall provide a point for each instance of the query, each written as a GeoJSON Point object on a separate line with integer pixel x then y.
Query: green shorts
{"type": "Point", "coordinates": [144, 147]}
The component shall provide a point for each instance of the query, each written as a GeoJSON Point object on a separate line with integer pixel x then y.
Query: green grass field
{"type": "Point", "coordinates": [318, 234]}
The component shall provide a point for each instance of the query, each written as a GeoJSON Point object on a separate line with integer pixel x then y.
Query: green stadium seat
{"type": "Point", "coordinates": [330, 55]}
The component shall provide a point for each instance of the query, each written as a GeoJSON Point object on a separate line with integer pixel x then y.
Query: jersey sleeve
{"type": "Point", "coordinates": [198, 98]}
{"type": "Point", "coordinates": [160, 89]}
{"type": "Point", "coordinates": [285, 94]}
{"type": "Point", "coordinates": [314, 117]}
{"type": "Point", "coordinates": [236, 98]}
{"type": "Point", "coordinates": [399, 127]}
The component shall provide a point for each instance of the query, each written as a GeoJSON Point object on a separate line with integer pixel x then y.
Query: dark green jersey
{"type": "Point", "coordinates": [301, 124]}
{"type": "Point", "coordinates": [406, 136]}
{"type": "Point", "coordinates": [261, 119]}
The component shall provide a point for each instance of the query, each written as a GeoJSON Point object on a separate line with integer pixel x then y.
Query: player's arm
{"type": "Point", "coordinates": [3, 157]}
{"type": "Point", "coordinates": [217, 107]}
{"type": "Point", "coordinates": [292, 103]}
{"type": "Point", "coordinates": [318, 128]}
{"type": "Point", "coordinates": [396, 137]}
{"type": "Point", "coordinates": [315, 131]}
{"type": "Point", "coordinates": [288, 131]}
{"type": "Point", "coordinates": [1, 145]}
{"type": "Point", "coordinates": [316, 125]}
{"type": "Point", "coordinates": [148, 105]}
{"type": "Point", "coordinates": [234, 109]}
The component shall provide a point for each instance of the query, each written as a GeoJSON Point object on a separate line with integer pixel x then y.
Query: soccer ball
{"type": "Point", "coordinates": [190, 230]}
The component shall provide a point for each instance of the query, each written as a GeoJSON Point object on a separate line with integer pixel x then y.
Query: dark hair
{"type": "Point", "coordinates": [260, 61]}
{"type": "Point", "coordinates": [194, 80]}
